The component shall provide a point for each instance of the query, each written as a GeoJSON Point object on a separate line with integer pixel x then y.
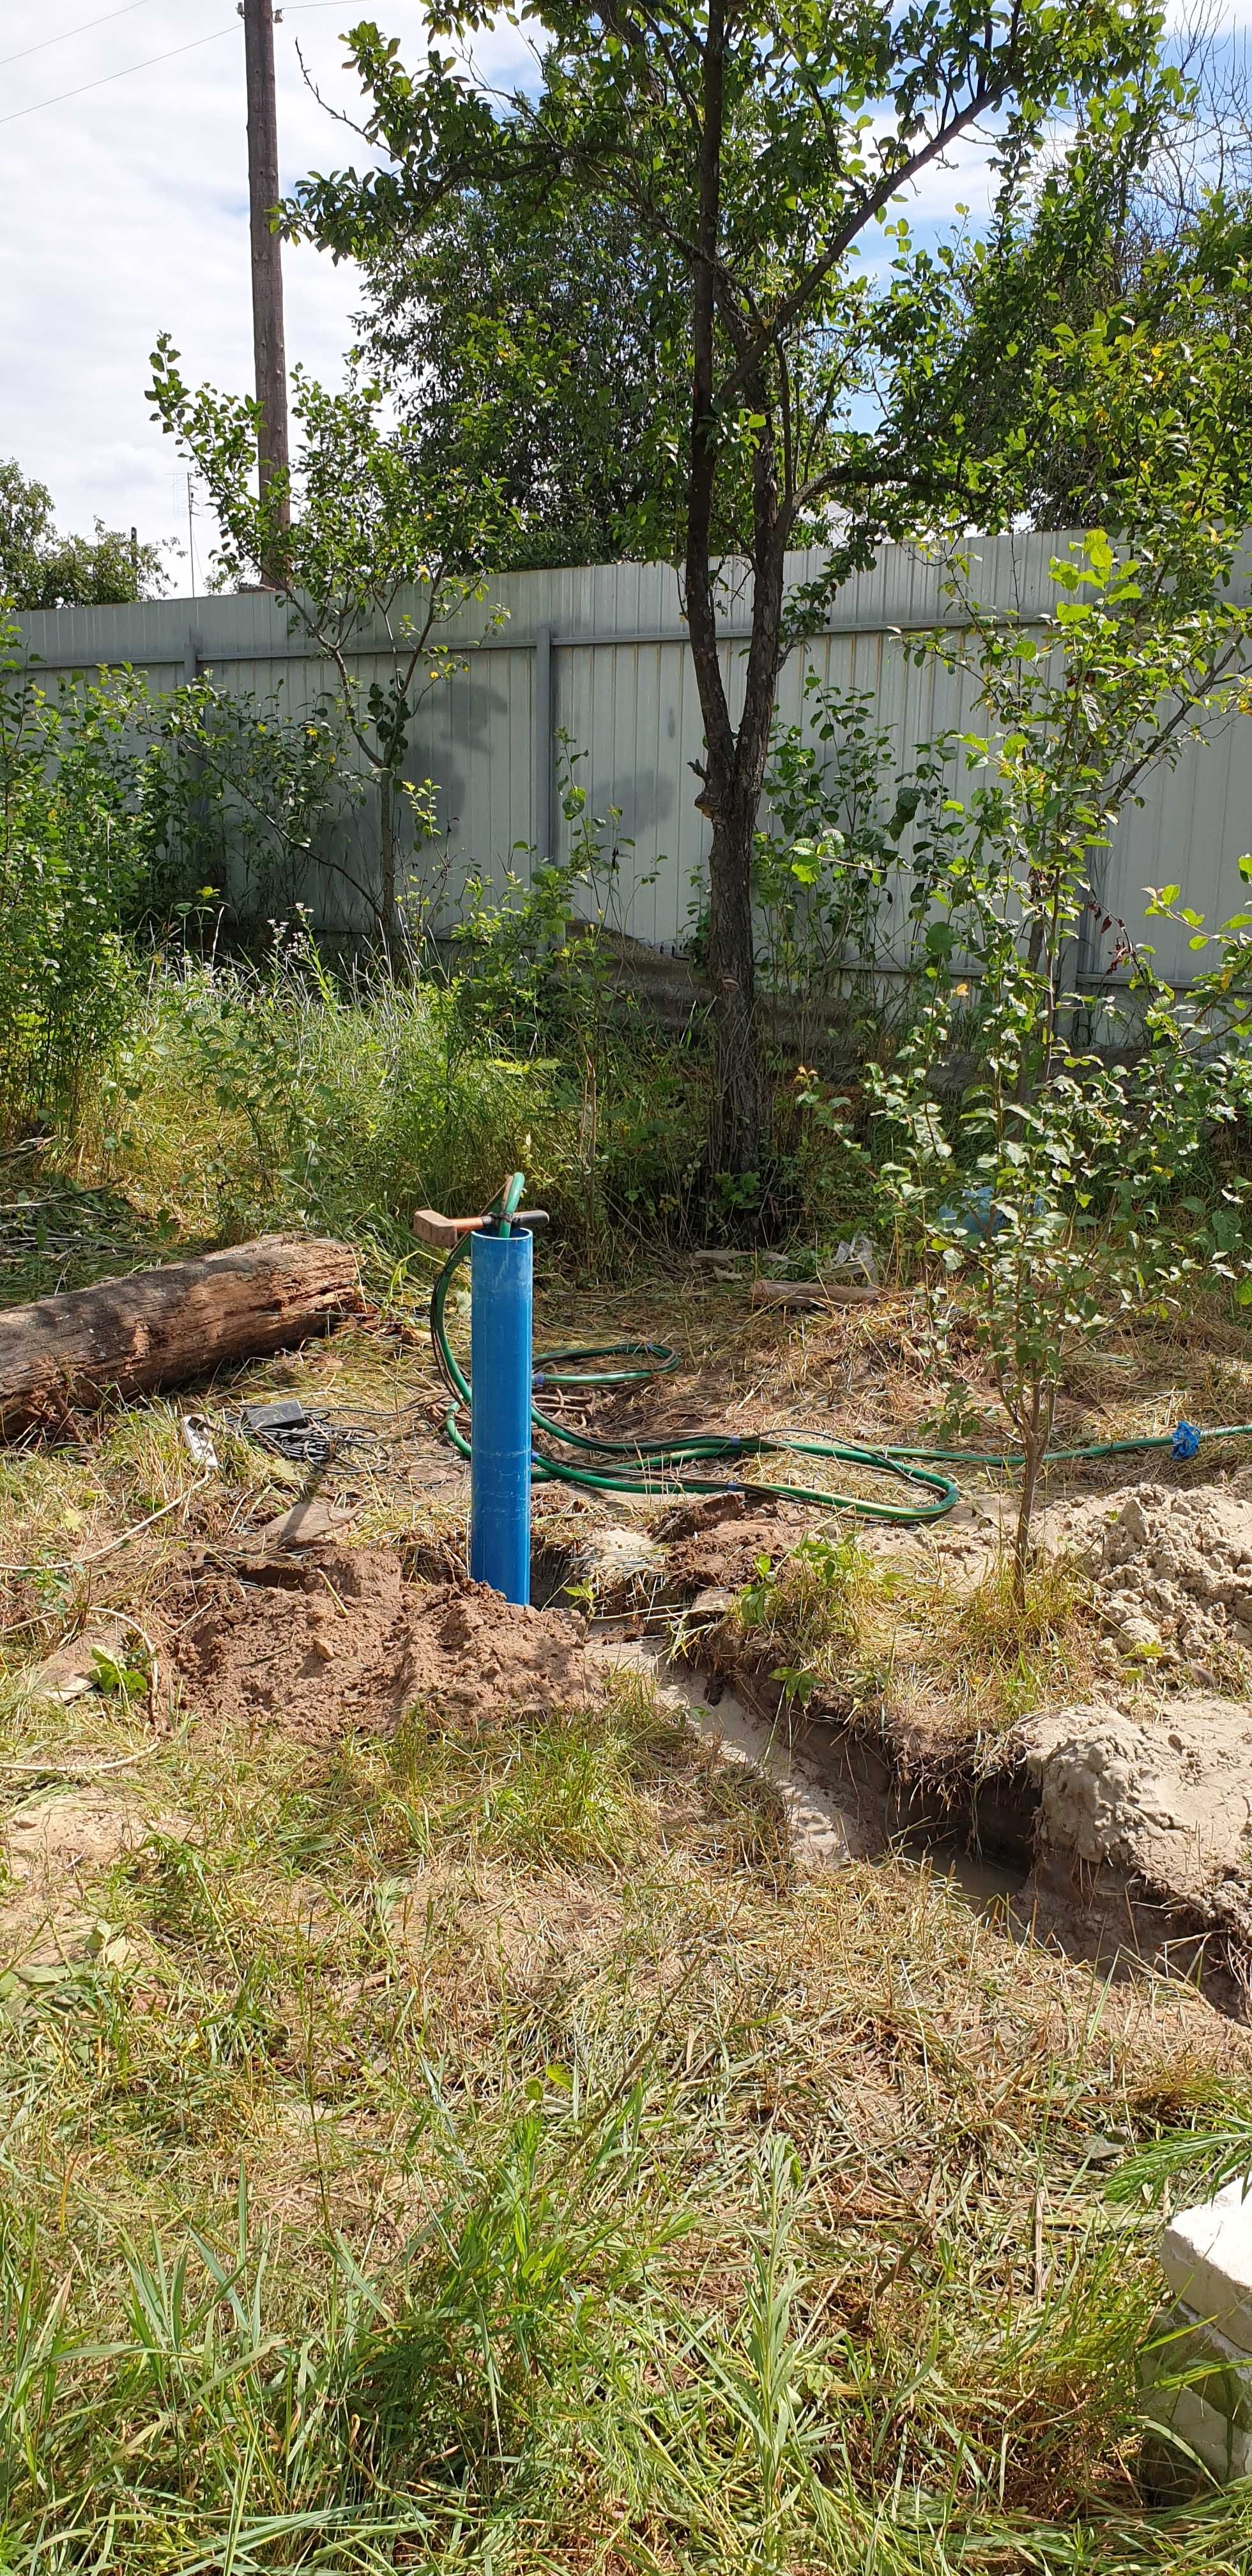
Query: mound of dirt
{"type": "Point", "coordinates": [344, 1642]}
{"type": "Point", "coordinates": [723, 1558]}
{"type": "Point", "coordinates": [1171, 1571]}
{"type": "Point", "coordinates": [1143, 1838]}
{"type": "Point", "coordinates": [1166, 1801]}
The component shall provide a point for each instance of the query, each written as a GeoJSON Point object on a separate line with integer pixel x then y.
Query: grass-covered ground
{"type": "Point", "coordinates": [496, 2155]}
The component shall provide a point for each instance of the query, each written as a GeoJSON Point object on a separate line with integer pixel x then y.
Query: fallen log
{"type": "Point", "coordinates": [161, 1327]}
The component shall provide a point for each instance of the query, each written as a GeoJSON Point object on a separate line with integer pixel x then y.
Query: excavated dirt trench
{"type": "Point", "coordinates": [1118, 1824]}
{"type": "Point", "coordinates": [1120, 1831]}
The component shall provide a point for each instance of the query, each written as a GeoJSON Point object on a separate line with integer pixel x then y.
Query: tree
{"type": "Point", "coordinates": [39, 569]}
{"type": "Point", "coordinates": [1062, 1202]}
{"type": "Point", "coordinates": [536, 352]}
{"type": "Point", "coordinates": [753, 146]}
{"type": "Point", "coordinates": [1088, 255]}
{"type": "Point", "coordinates": [70, 865]}
{"type": "Point", "coordinates": [240, 801]}
{"type": "Point", "coordinates": [343, 534]}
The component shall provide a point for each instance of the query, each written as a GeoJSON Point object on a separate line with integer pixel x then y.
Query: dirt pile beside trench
{"type": "Point", "coordinates": [343, 1643]}
{"type": "Point", "coordinates": [1143, 1834]}
{"type": "Point", "coordinates": [1166, 1799]}
{"type": "Point", "coordinates": [1171, 1571]}
{"type": "Point", "coordinates": [723, 1556]}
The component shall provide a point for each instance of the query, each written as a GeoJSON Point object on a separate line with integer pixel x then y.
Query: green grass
{"type": "Point", "coordinates": [490, 2154]}
{"type": "Point", "coordinates": [801, 1624]}
{"type": "Point", "coordinates": [243, 1096]}
{"type": "Point", "coordinates": [279, 1096]}
{"type": "Point", "coordinates": [250, 1096]}
{"type": "Point", "coordinates": [487, 2156]}
{"type": "Point", "coordinates": [996, 1658]}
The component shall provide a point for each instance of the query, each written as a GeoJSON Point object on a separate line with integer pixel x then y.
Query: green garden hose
{"type": "Point", "coordinates": [684, 1465]}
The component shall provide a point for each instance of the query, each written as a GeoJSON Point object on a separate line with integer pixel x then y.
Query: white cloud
{"type": "Point", "coordinates": [127, 213]}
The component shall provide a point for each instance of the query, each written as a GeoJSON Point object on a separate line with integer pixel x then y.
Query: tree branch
{"type": "Point", "coordinates": [796, 304]}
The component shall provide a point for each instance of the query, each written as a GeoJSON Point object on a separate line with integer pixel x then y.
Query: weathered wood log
{"type": "Point", "coordinates": [813, 1293]}
{"type": "Point", "coordinates": [160, 1327]}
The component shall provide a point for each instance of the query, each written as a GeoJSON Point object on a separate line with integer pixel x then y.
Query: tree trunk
{"type": "Point", "coordinates": [728, 796]}
{"type": "Point", "coordinates": [160, 1327]}
{"type": "Point", "coordinates": [1036, 1434]}
{"type": "Point", "coordinates": [736, 1117]}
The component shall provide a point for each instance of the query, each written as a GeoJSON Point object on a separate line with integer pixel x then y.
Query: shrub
{"type": "Point", "coordinates": [69, 866]}
{"type": "Point", "coordinates": [241, 800]}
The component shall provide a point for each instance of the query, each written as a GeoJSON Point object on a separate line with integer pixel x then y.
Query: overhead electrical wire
{"type": "Point", "coordinates": [83, 28]}
{"type": "Point", "coordinates": [291, 8]}
{"type": "Point", "coordinates": [106, 77]}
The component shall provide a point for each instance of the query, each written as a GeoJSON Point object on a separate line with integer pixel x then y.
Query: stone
{"type": "Point", "coordinates": [1197, 2388]}
{"type": "Point", "coordinates": [1196, 2372]}
{"type": "Point", "coordinates": [1206, 2257]}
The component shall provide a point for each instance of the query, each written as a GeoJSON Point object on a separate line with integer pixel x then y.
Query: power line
{"type": "Point", "coordinates": [83, 30]}
{"type": "Point", "coordinates": [289, 9]}
{"type": "Point", "coordinates": [124, 74]}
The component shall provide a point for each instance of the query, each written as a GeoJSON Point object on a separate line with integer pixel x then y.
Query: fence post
{"type": "Point", "coordinates": [541, 683]}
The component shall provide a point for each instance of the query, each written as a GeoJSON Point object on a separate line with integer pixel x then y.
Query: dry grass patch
{"type": "Point", "coordinates": [492, 2157]}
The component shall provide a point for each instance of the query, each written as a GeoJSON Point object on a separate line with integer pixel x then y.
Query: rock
{"type": "Point", "coordinates": [1197, 2370]}
{"type": "Point", "coordinates": [1206, 2257]}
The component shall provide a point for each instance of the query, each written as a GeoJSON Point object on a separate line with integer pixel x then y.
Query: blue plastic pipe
{"type": "Point", "coordinates": [501, 1338]}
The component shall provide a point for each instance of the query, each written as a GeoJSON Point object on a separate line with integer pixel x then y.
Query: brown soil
{"type": "Point", "coordinates": [723, 1557]}
{"type": "Point", "coordinates": [78, 1833]}
{"type": "Point", "coordinates": [344, 1642]}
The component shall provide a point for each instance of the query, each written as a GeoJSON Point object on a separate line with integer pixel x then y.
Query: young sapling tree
{"type": "Point", "coordinates": [1054, 1195]}
{"type": "Point", "coordinates": [370, 555]}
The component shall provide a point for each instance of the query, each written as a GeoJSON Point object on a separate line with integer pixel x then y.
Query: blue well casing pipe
{"type": "Point", "coordinates": [501, 1336]}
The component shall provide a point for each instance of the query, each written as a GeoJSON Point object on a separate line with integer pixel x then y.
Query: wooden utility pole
{"type": "Point", "coordinates": [267, 270]}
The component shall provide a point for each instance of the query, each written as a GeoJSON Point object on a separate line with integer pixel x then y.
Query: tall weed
{"type": "Point", "coordinates": [274, 1095]}
{"type": "Point", "coordinates": [69, 863]}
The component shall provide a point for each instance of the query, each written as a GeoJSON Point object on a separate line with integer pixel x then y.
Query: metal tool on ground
{"type": "Point", "coordinates": [711, 1462]}
{"type": "Point", "coordinates": [290, 1430]}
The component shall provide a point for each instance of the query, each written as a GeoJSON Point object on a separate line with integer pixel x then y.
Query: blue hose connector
{"type": "Point", "coordinates": [501, 1337]}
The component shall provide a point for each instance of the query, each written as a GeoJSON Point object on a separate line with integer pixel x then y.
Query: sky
{"type": "Point", "coordinates": [132, 218]}
{"type": "Point", "coordinates": [132, 207]}
{"type": "Point", "coordinates": [136, 221]}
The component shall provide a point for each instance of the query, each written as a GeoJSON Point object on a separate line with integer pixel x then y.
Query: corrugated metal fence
{"type": "Point", "coordinates": [599, 656]}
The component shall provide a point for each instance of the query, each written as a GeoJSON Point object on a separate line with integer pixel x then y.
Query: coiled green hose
{"type": "Point", "coordinates": [671, 1466]}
